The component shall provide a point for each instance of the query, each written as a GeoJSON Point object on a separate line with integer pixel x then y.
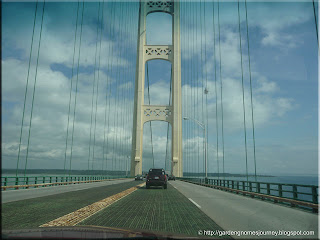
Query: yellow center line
{"type": "Point", "coordinates": [72, 219]}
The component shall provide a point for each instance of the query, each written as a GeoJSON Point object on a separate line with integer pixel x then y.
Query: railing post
{"type": "Point", "coordinates": [268, 188]}
{"type": "Point", "coordinates": [243, 186]}
{"type": "Point", "coordinates": [237, 185]}
{"type": "Point", "coordinates": [56, 179]}
{"type": "Point", "coordinates": [17, 181]}
{"type": "Point", "coordinates": [280, 190]}
{"type": "Point", "coordinates": [50, 179]}
{"type": "Point", "coordinates": [27, 181]}
{"type": "Point", "coordinates": [43, 179]}
{"type": "Point", "coordinates": [250, 186]}
{"type": "Point", "coordinates": [258, 187]}
{"type": "Point", "coordinates": [314, 195]}
{"type": "Point", "coordinates": [5, 181]}
{"type": "Point", "coordinates": [35, 180]}
{"type": "Point", "coordinates": [232, 184]}
{"type": "Point", "coordinates": [294, 190]}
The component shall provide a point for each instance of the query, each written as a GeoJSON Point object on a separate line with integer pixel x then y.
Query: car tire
{"type": "Point", "coordinates": [147, 186]}
{"type": "Point", "coordinates": [165, 186]}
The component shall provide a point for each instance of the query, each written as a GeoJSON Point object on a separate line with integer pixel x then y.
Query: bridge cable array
{"type": "Point", "coordinates": [34, 89]}
{"type": "Point", "coordinates": [251, 98]}
{"type": "Point", "coordinates": [93, 94]}
{"type": "Point", "coordinates": [71, 87]}
{"type": "Point", "coordinates": [76, 90]}
{"type": "Point", "coordinates": [243, 103]}
{"type": "Point", "coordinates": [26, 90]}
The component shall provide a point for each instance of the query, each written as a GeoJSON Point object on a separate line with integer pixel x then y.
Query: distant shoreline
{"type": "Point", "coordinates": [100, 172]}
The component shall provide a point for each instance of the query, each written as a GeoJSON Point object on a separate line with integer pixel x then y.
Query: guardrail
{"type": "Point", "coordinates": [37, 181]}
{"type": "Point", "coordinates": [294, 194]}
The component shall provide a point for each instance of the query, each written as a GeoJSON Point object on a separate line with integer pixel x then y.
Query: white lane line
{"type": "Point", "coordinates": [194, 203]}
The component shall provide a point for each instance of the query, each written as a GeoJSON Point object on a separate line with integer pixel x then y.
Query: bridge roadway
{"type": "Point", "coordinates": [22, 194]}
{"type": "Point", "coordinates": [183, 208]}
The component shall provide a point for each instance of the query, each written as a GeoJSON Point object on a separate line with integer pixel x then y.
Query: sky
{"type": "Point", "coordinates": [284, 73]}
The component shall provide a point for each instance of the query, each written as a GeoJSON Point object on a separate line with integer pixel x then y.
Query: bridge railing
{"type": "Point", "coordinates": [7, 181]}
{"type": "Point", "coordinates": [296, 192]}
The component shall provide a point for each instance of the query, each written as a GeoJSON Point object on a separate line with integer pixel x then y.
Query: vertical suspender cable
{"type": "Point", "coordinates": [215, 87]}
{"type": "Point", "coordinates": [202, 90]}
{"type": "Point", "coordinates": [194, 84]}
{"type": "Point", "coordinates": [190, 46]}
{"type": "Point", "coordinates": [125, 77]}
{"type": "Point", "coordinates": [110, 81]}
{"type": "Point", "coordinates": [75, 98]}
{"type": "Point", "coordinates": [34, 89]}
{"type": "Point", "coordinates": [206, 88]}
{"type": "Point", "coordinates": [93, 90]}
{"type": "Point", "coordinates": [97, 91]}
{"type": "Point", "coordinates": [71, 83]}
{"type": "Point", "coordinates": [168, 123]}
{"type": "Point", "coordinates": [198, 95]}
{"type": "Point", "coordinates": [221, 102]}
{"type": "Point", "coordinates": [119, 61]}
{"type": "Point", "coordinates": [252, 118]}
{"type": "Point", "coordinates": [26, 91]}
{"type": "Point", "coordinates": [150, 121]}
{"type": "Point", "coordinates": [244, 108]}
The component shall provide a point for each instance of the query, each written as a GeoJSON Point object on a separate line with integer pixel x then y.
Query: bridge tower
{"type": "Point", "coordinates": [144, 113]}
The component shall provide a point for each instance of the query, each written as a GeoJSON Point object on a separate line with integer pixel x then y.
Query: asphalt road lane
{"type": "Point", "coordinates": [236, 212]}
{"type": "Point", "coordinates": [21, 194]}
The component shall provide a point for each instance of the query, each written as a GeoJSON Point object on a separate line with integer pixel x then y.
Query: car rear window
{"type": "Point", "coordinates": [156, 172]}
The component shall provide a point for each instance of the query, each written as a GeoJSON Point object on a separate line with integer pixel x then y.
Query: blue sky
{"type": "Point", "coordinates": [284, 66]}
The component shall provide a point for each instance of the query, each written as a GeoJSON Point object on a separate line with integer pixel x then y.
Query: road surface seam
{"type": "Point", "coordinates": [72, 219]}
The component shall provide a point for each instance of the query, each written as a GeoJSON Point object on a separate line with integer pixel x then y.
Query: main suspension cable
{"type": "Point", "coordinates": [315, 20]}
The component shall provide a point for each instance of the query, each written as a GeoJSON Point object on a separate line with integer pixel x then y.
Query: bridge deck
{"type": "Point", "coordinates": [33, 212]}
{"type": "Point", "coordinates": [155, 209]}
{"type": "Point", "coordinates": [183, 208]}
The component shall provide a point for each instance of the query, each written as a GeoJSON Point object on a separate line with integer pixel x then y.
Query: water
{"type": "Point", "coordinates": [300, 180]}
{"type": "Point", "coordinates": [304, 193]}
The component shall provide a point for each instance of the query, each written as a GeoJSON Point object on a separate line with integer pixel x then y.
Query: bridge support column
{"type": "Point", "coordinates": [144, 113]}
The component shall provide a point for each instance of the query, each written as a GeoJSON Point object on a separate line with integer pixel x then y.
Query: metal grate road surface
{"type": "Point", "coordinates": [156, 209]}
{"type": "Point", "coordinates": [31, 213]}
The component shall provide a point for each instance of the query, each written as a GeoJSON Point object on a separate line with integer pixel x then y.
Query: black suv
{"type": "Point", "coordinates": [156, 177]}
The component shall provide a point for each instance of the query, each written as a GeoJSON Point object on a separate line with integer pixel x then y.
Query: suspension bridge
{"type": "Point", "coordinates": [96, 93]}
